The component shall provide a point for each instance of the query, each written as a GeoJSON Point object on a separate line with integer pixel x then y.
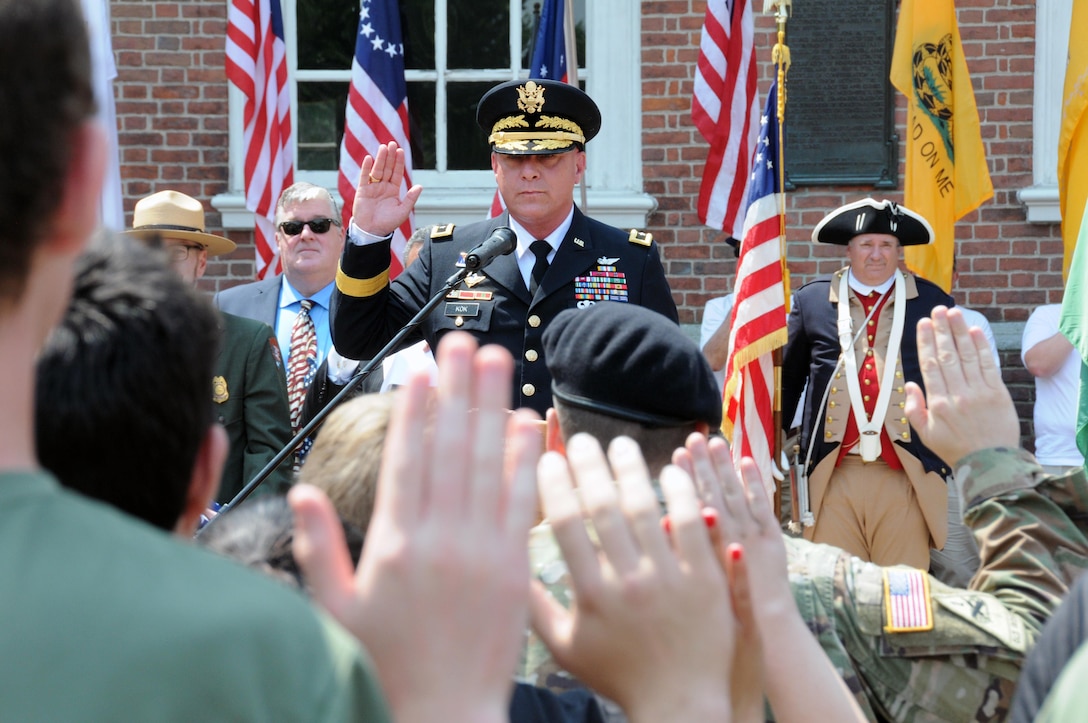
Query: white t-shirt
{"type": "Point", "coordinates": [715, 314]}
{"type": "Point", "coordinates": [1055, 396]}
{"type": "Point", "coordinates": [974, 318]}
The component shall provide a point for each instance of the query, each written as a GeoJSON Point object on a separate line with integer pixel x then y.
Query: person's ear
{"type": "Point", "coordinates": [77, 213]}
{"type": "Point", "coordinates": [204, 480]}
{"type": "Point", "coordinates": [553, 436]}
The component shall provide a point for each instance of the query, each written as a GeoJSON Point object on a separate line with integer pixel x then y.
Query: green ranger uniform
{"type": "Point", "coordinates": [250, 395]}
{"type": "Point", "coordinates": [1031, 531]}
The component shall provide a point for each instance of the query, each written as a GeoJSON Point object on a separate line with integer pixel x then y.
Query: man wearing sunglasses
{"type": "Point", "coordinates": [309, 240]}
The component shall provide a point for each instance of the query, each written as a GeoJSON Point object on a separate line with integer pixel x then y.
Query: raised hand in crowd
{"type": "Point", "coordinates": [650, 626]}
{"type": "Point", "coordinates": [776, 652]}
{"type": "Point", "coordinates": [444, 573]}
{"type": "Point", "coordinates": [966, 406]}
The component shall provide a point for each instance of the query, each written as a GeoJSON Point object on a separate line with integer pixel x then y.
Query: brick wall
{"type": "Point", "coordinates": [172, 113]}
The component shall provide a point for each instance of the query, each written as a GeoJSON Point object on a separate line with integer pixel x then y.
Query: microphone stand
{"type": "Point", "coordinates": [451, 283]}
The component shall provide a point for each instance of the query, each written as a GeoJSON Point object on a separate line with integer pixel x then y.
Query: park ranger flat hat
{"type": "Point", "coordinates": [534, 117]}
{"type": "Point", "coordinates": [871, 216]}
{"type": "Point", "coordinates": [170, 214]}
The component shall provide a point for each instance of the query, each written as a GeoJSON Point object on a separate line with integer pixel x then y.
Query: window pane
{"type": "Point", "coordinates": [468, 148]}
{"type": "Point", "coordinates": [417, 25]}
{"type": "Point", "coordinates": [326, 33]}
{"type": "Point", "coordinates": [479, 34]}
{"type": "Point", "coordinates": [421, 119]}
{"type": "Point", "coordinates": [320, 124]}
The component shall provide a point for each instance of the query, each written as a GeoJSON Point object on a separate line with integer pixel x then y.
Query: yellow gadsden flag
{"type": "Point", "coordinates": [947, 176]}
{"type": "Point", "coordinates": [1073, 143]}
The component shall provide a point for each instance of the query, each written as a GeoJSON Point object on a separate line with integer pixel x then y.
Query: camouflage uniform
{"type": "Point", "coordinates": [1031, 529]}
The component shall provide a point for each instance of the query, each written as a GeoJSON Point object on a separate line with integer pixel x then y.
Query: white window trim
{"type": "Point", "coordinates": [1052, 19]}
{"type": "Point", "coordinates": [614, 168]}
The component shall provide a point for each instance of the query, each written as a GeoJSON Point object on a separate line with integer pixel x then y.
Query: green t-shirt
{"type": "Point", "coordinates": [105, 618]}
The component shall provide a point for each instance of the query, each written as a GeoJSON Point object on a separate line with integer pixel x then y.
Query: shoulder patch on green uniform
{"type": "Point", "coordinates": [908, 607]}
{"type": "Point", "coordinates": [642, 238]}
{"type": "Point", "coordinates": [986, 613]}
{"type": "Point", "coordinates": [442, 230]}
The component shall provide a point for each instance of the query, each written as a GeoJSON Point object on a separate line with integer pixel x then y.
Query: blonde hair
{"type": "Point", "coordinates": [346, 458]}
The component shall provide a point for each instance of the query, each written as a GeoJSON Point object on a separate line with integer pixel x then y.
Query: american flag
{"type": "Point", "coordinates": [759, 310]}
{"type": "Point", "coordinates": [724, 111]}
{"type": "Point", "coordinates": [377, 110]}
{"type": "Point", "coordinates": [906, 599]}
{"type": "Point", "coordinates": [257, 65]}
{"type": "Point", "coordinates": [549, 60]}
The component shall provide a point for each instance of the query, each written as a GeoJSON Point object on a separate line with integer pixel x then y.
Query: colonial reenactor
{"type": "Point", "coordinates": [873, 488]}
{"type": "Point", "coordinates": [564, 259]}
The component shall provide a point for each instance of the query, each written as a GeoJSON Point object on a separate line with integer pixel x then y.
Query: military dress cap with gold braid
{"type": "Point", "coordinates": [169, 214]}
{"type": "Point", "coordinates": [533, 117]}
{"type": "Point", "coordinates": [871, 216]}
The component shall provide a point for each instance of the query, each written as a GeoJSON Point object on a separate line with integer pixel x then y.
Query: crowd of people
{"type": "Point", "coordinates": [592, 555]}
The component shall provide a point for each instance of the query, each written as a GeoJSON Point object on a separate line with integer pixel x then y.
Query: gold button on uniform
{"type": "Point", "coordinates": [528, 390]}
{"type": "Point", "coordinates": [899, 389]}
{"type": "Point", "coordinates": [530, 355]}
{"type": "Point", "coordinates": [834, 390]}
{"type": "Point", "coordinates": [830, 420]}
{"type": "Point", "coordinates": [902, 420]}
{"type": "Point", "coordinates": [872, 323]}
{"type": "Point", "coordinates": [828, 434]}
{"type": "Point", "coordinates": [868, 366]}
{"type": "Point", "coordinates": [534, 321]}
{"type": "Point", "coordinates": [459, 321]}
{"type": "Point", "coordinates": [866, 397]}
{"type": "Point", "coordinates": [905, 435]}
{"type": "Point", "coordinates": [869, 352]}
{"type": "Point", "coordinates": [899, 375]}
{"type": "Point", "coordinates": [831, 404]}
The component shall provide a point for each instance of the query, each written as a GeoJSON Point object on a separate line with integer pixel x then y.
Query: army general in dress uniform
{"type": "Point", "coordinates": [564, 259]}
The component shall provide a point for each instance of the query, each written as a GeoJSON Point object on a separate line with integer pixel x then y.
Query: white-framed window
{"type": "Point", "coordinates": [1052, 19]}
{"type": "Point", "coordinates": [467, 46]}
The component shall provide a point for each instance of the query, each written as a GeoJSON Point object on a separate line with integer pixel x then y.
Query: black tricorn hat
{"type": "Point", "coordinates": [871, 216]}
{"type": "Point", "coordinates": [527, 117]}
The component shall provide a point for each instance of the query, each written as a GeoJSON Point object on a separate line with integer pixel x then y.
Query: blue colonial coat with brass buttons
{"type": "Point", "coordinates": [594, 261]}
{"type": "Point", "coordinates": [812, 354]}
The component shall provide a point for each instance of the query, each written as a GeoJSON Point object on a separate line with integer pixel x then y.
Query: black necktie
{"type": "Point", "coordinates": [540, 249]}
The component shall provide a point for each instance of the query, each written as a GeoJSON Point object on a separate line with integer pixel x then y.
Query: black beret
{"type": "Point", "coordinates": [533, 117]}
{"type": "Point", "coordinates": [870, 216]}
{"type": "Point", "coordinates": [626, 361]}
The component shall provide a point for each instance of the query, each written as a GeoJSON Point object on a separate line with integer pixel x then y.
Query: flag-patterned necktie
{"type": "Point", "coordinates": [540, 249]}
{"type": "Point", "coordinates": [302, 361]}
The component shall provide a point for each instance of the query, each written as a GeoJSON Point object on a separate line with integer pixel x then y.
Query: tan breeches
{"type": "Point", "coordinates": [871, 511]}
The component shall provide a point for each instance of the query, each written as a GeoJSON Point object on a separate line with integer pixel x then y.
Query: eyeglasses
{"type": "Point", "coordinates": [317, 225]}
{"type": "Point", "coordinates": [180, 252]}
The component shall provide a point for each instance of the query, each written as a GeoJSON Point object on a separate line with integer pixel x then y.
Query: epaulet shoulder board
{"type": "Point", "coordinates": [642, 238]}
{"type": "Point", "coordinates": [442, 230]}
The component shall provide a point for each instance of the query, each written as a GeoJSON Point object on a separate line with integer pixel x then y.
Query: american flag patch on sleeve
{"type": "Point", "coordinates": [907, 605]}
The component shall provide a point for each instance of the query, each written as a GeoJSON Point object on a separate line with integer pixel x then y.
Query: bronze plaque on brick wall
{"type": "Point", "coordinates": [840, 107]}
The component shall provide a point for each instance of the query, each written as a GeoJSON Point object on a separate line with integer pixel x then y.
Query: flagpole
{"type": "Point", "coordinates": [780, 56]}
{"type": "Point", "coordinates": [572, 74]}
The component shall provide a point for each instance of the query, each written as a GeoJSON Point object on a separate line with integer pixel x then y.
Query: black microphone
{"type": "Point", "coordinates": [502, 240]}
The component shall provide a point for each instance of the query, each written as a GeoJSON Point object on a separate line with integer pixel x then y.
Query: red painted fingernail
{"type": "Point", "coordinates": [666, 525]}
{"type": "Point", "coordinates": [735, 553]}
{"type": "Point", "coordinates": [710, 516]}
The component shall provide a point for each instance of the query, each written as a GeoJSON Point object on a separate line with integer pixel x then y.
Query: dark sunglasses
{"type": "Point", "coordinates": [317, 225]}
